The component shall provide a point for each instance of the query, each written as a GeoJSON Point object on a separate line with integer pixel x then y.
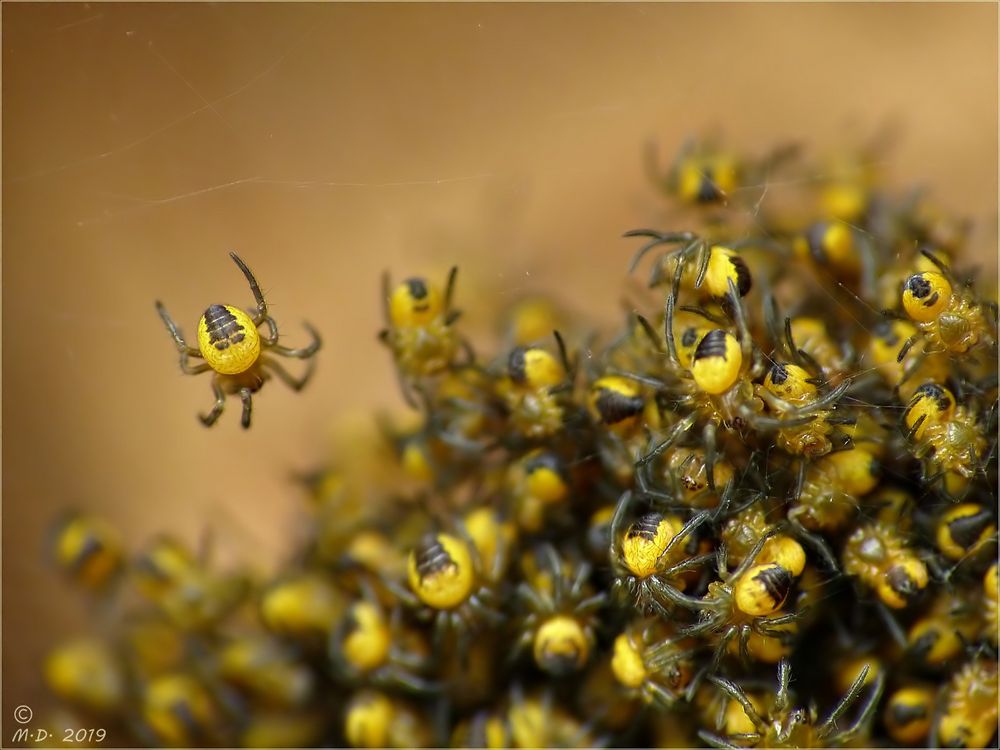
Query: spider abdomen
{"type": "Point", "coordinates": [228, 339]}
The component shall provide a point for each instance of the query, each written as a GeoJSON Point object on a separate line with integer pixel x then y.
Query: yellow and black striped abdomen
{"type": "Point", "coordinates": [228, 339]}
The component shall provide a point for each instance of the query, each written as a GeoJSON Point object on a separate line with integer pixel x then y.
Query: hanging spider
{"type": "Point", "coordinates": [236, 353]}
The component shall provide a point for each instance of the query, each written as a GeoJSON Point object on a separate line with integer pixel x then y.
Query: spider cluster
{"type": "Point", "coordinates": [760, 514]}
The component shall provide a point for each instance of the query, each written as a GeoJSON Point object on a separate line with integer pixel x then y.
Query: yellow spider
{"type": "Point", "coordinates": [236, 353]}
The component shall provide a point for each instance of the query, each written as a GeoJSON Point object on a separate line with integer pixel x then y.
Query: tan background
{"type": "Point", "coordinates": [329, 142]}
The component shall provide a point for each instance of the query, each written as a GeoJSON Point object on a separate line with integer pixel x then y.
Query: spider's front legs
{"type": "Point", "coordinates": [254, 287]}
{"type": "Point", "coordinates": [175, 333]}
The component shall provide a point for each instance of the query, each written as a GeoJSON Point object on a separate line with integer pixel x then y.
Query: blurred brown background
{"type": "Point", "coordinates": [329, 142]}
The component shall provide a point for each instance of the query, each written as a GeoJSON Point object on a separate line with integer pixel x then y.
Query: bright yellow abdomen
{"type": "Point", "coordinates": [228, 339]}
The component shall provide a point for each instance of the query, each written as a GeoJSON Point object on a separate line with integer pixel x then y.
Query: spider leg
{"type": "Point", "coordinates": [616, 523]}
{"type": "Point", "coordinates": [702, 254]}
{"type": "Point", "coordinates": [782, 699]}
{"type": "Point", "coordinates": [449, 288]}
{"type": "Point", "coordinates": [645, 486]}
{"type": "Point", "coordinates": [660, 695]}
{"type": "Point", "coordinates": [220, 403]}
{"type": "Point", "coordinates": [710, 448]}
{"type": "Point", "coordinates": [694, 522]}
{"type": "Point", "coordinates": [644, 379]}
{"type": "Point", "coordinates": [801, 357]}
{"type": "Point", "coordinates": [714, 740]}
{"type": "Point", "coordinates": [771, 625]}
{"type": "Point", "coordinates": [905, 348]}
{"type": "Point", "coordinates": [247, 398]}
{"type": "Point", "coordinates": [386, 295]}
{"type": "Point", "coordinates": [894, 628]}
{"type": "Point", "coordinates": [483, 610]}
{"type": "Point", "coordinates": [771, 316]}
{"type": "Point", "coordinates": [593, 602]}
{"type": "Point", "coordinates": [306, 351]}
{"type": "Point", "coordinates": [868, 270]}
{"type": "Point", "coordinates": [411, 682]}
{"type": "Point", "coordinates": [677, 431]}
{"type": "Point", "coordinates": [800, 483]}
{"type": "Point", "coordinates": [296, 384]}
{"type": "Point", "coordinates": [915, 428]}
{"type": "Point", "coordinates": [401, 592]}
{"type": "Point", "coordinates": [748, 561]}
{"type": "Point", "coordinates": [674, 596]}
{"type": "Point", "coordinates": [739, 317]}
{"type": "Point", "coordinates": [690, 563]}
{"type": "Point", "coordinates": [944, 269]}
{"type": "Point", "coordinates": [190, 369]}
{"type": "Point", "coordinates": [175, 332]}
{"type": "Point", "coordinates": [692, 688]}
{"type": "Point", "coordinates": [650, 333]}
{"type": "Point", "coordinates": [817, 543]}
{"type": "Point", "coordinates": [272, 331]}
{"type": "Point", "coordinates": [570, 367]}
{"type": "Point", "coordinates": [864, 716]}
{"type": "Point", "coordinates": [744, 646]}
{"type": "Point", "coordinates": [668, 322]}
{"type": "Point", "coordinates": [739, 695]}
{"type": "Point", "coordinates": [254, 287]}
{"type": "Point", "coordinates": [845, 702]}
{"type": "Point", "coordinates": [657, 238]}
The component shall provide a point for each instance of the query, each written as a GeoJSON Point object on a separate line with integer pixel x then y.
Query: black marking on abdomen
{"type": "Point", "coordinates": [743, 278]}
{"type": "Point", "coordinates": [516, 365]}
{"type": "Point", "coordinates": [712, 344]}
{"type": "Point", "coordinates": [223, 328]}
{"type": "Point", "coordinates": [779, 373]}
{"type": "Point", "coordinates": [417, 287]}
{"type": "Point", "coordinates": [884, 330]}
{"type": "Point", "coordinates": [777, 581]}
{"type": "Point", "coordinates": [645, 527]}
{"type": "Point", "coordinates": [814, 236]}
{"type": "Point", "coordinates": [545, 461]}
{"type": "Point", "coordinates": [918, 286]}
{"type": "Point", "coordinates": [904, 714]}
{"type": "Point", "coordinates": [708, 190]}
{"type": "Point", "coordinates": [967, 529]}
{"type": "Point", "coordinates": [432, 557]}
{"type": "Point", "coordinates": [901, 581]}
{"type": "Point", "coordinates": [615, 407]}
{"type": "Point", "coordinates": [936, 392]}
{"type": "Point", "coordinates": [91, 549]}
